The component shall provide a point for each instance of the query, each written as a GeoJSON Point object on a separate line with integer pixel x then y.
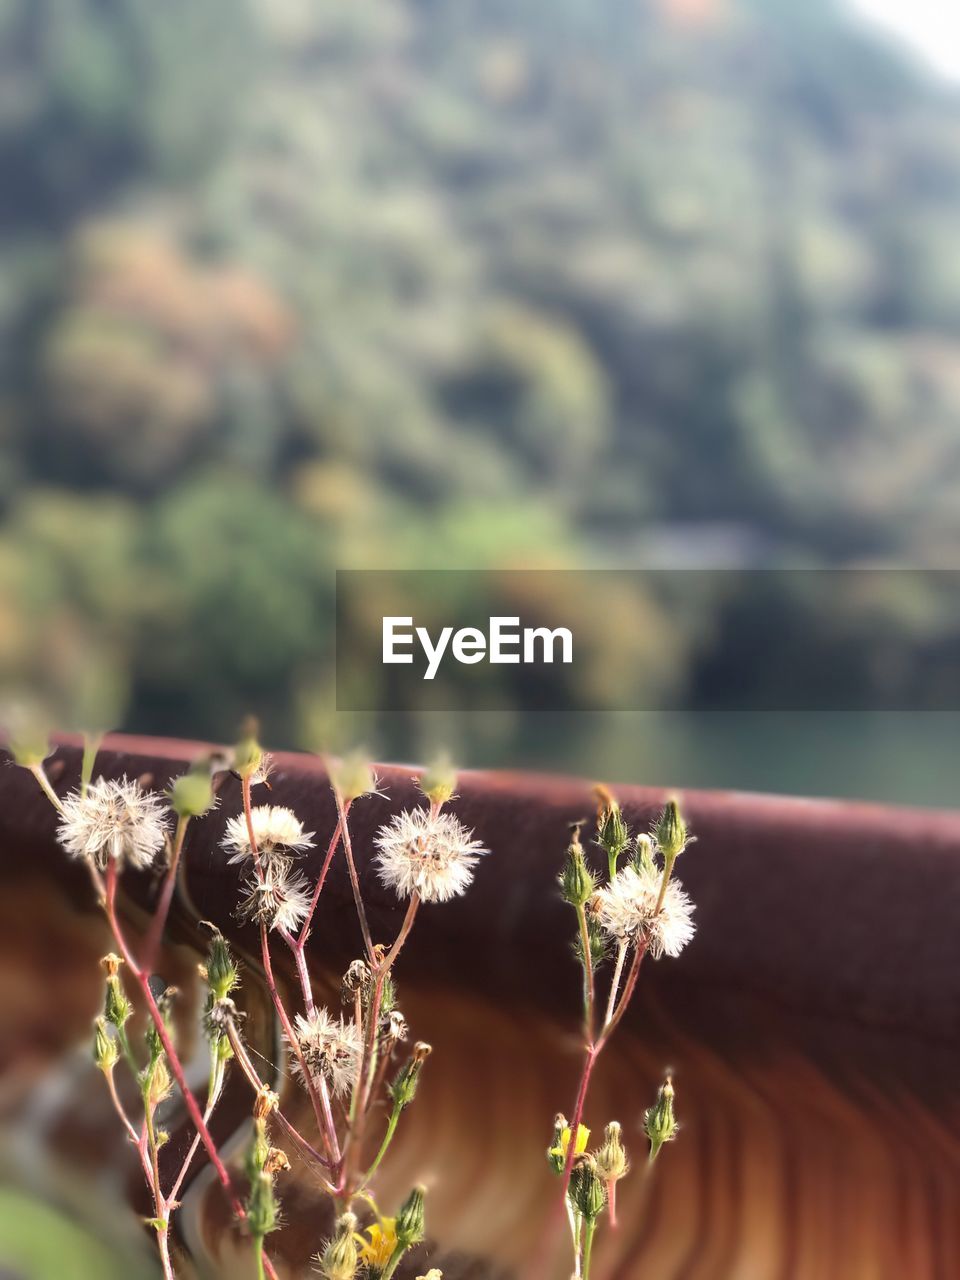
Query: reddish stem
{"type": "Point", "coordinates": [331, 850]}
{"type": "Point", "coordinates": [159, 921]}
{"type": "Point", "coordinates": [355, 879]}
{"type": "Point", "coordinates": [173, 1060]}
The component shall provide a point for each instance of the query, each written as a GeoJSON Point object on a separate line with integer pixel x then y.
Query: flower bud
{"type": "Point", "coordinates": [659, 1121]}
{"type": "Point", "coordinates": [643, 854]}
{"type": "Point", "coordinates": [220, 971]}
{"type": "Point", "coordinates": [156, 1083]}
{"type": "Point", "coordinates": [248, 754]}
{"type": "Point", "coordinates": [105, 1049]}
{"type": "Point", "coordinates": [404, 1088]}
{"type": "Point", "coordinates": [613, 834]}
{"type": "Point", "coordinates": [352, 776]}
{"type": "Point", "coordinates": [438, 781]}
{"type": "Point", "coordinates": [340, 1258]}
{"type": "Point", "coordinates": [612, 1163]}
{"type": "Point", "coordinates": [587, 1192]}
{"type": "Point", "coordinates": [557, 1153]}
{"type": "Point", "coordinates": [670, 831]}
{"type": "Point", "coordinates": [411, 1219]}
{"type": "Point", "coordinates": [116, 1007]}
{"type": "Point", "coordinates": [576, 883]}
{"type": "Point", "coordinates": [191, 795]}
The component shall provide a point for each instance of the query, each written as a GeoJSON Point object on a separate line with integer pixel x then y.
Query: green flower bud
{"type": "Point", "coordinates": [659, 1121]}
{"type": "Point", "coordinates": [643, 853]}
{"type": "Point", "coordinates": [404, 1088]}
{"type": "Point", "coordinates": [587, 1192]}
{"type": "Point", "coordinates": [411, 1219]}
{"type": "Point", "coordinates": [155, 1083]}
{"type": "Point", "coordinates": [576, 883]}
{"type": "Point", "coordinates": [116, 1007]}
{"type": "Point", "coordinates": [248, 754]}
{"type": "Point", "coordinates": [352, 777]}
{"type": "Point", "coordinates": [612, 832]}
{"type": "Point", "coordinates": [612, 1163]}
{"type": "Point", "coordinates": [105, 1049]}
{"type": "Point", "coordinates": [261, 1205]}
{"type": "Point", "coordinates": [220, 971]}
{"type": "Point", "coordinates": [438, 781]}
{"type": "Point", "coordinates": [192, 794]}
{"type": "Point", "coordinates": [341, 1257]}
{"type": "Point", "coordinates": [670, 831]}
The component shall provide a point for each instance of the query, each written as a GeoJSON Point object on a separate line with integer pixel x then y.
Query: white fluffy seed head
{"type": "Point", "coordinates": [280, 899]}
{"type": "Point", "coordinates": [113, 821]}
{"type": "Point", "coordinates": [278, 832]}
{"type": "Point", "coordinates": [426, 853]}
{"type": "Point", "coordinates": [626, 909]}
{"type": "Point", "coordinates": [331, 1049]}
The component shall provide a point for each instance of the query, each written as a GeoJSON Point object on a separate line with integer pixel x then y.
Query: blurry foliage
{"type": "Point", "coordinates": [287, 285]}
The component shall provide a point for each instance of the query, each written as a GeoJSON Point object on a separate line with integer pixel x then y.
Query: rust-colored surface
{"type": "Point", "coordinates": [814, 1022]}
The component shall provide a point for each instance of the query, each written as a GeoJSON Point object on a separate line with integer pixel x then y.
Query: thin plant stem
{"type": "Point", "coordinates": [317, 1089]}
{"type": "Point", "coordinates": [384, 1146]}
{"type": "Point", "coordinates": [250, 1071]}
{"type": "Point", "coordinates": [318, 1095]}
{"type": "Point", "coordinates": [173, 1059]}
{"type": "Point", "coordinates": [331, 850]}
{"type": "Point", "coordinates": [615, 983]}
{"type": "Point", "coordinates": [588, 978]}
{"type": "Point", "coordinates": [354, 878]}
{"type": "Point", "coordinates": [91, 746]}
{"type": "Point", "coordinates": [40, 774]}
{"type": "Point", "coordinates": [163, 1244]}
{"type": "Point", "coordinates": [589, 1227]}
{"type": "Point", "coordinates": [258, 1255]}
{"type": "Point", "coordinates": [158, 923]}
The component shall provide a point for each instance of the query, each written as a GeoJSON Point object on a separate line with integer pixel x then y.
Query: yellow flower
{"type": "Point", "coordinates": [583, 1137]}
{"type": "Point", "coordinates": [378, 1250]}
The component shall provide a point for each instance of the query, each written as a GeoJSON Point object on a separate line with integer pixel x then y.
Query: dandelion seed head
{"type": "Point", "coordinates": [427, 853]}
{"type": "Point", "coordinates": [626, 909]}
{"type": "Point", "coordinates": [331, 1049]}
{"type": "Point", "coordinates": [278, 832]}
{"type": "Point", "coordinates": [114, 821]}
{"type": "Point", "coordinates": [280, 899]}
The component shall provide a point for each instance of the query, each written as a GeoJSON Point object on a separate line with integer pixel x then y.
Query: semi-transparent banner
{"type": "Point", "coordinates": [671, 640]}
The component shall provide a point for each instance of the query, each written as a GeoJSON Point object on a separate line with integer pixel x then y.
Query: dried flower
{"type": "Point", "coordinates": [113, 820]}
{"type": "Point", "coordinates": [425, 853]}
{"type": "Point", "coordinates": [627, 910]}
{"type": "Point", "coordinates": [394, 1026]}
{"type": "Point", "coordinates": [280, 900]}
{"type": "Point", "coordinates": [612, 1160]}
{"type": "Point", "coordinates": [331, 1048]}
{"type": "Point", "coordinates": [278, 832]}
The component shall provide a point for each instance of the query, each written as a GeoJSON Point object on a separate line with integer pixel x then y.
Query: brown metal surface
{"type": "Point", "coordinates": [814, 1021]}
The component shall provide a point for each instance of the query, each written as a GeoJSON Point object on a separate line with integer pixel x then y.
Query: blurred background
{"type": "Point", "coordinates": [295, 285]}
